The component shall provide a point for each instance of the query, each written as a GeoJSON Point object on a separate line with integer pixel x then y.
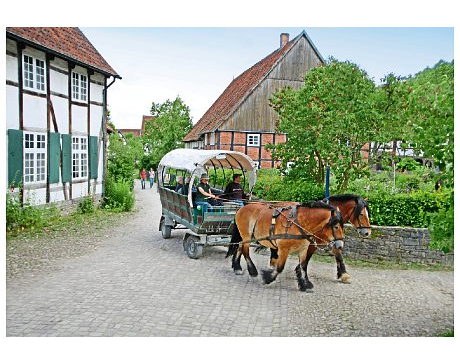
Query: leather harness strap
{"type": "Point", "coordinates": [292, 218]}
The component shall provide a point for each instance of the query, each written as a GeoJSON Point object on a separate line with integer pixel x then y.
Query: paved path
{"type": "Point", "coordinates": [137, 284]}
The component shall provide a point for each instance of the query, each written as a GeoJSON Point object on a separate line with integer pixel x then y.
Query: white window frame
{"type": "Point", "coordinates": [35, 157]}
{"type": "Point", "coordinates": [33, 73]}
{"type": "Point", "coordinates": [79, 86]}
{"type": "Point", "coordinates": [79, 157]}
{"type": "Point", "coordinates": [253, 140]}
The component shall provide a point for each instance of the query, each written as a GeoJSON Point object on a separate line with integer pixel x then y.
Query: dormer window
{"type": "Point", "coordinates": [34, 73]}
{"type": "Point", "coordinates": [79, 86]}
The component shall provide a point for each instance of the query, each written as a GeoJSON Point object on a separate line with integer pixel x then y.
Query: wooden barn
{"type": "Point", "coordinates": [56, 115]}
{"type": "Point", "coordinates": [241, 118]}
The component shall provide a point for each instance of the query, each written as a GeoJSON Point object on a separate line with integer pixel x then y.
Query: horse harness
{"type": "Point", "coordinates": [291, 219]}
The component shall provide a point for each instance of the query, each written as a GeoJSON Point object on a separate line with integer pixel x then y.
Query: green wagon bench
{"type": "Point", "coordinates": [212, 227]}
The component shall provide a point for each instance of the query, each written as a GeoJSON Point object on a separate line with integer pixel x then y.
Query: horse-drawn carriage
{"type": "Point", "coordinates": [179, 210]}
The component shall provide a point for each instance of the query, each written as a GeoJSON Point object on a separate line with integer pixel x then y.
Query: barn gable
{"type": "Point", "coordinates": [244, 103]}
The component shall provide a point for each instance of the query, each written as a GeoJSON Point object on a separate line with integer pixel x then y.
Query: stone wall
{"type": "Point", "coordinates": [396, 244]}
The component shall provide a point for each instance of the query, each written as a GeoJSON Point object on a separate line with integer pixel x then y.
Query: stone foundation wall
{"type": "Point", "coordinates": [396, 244]}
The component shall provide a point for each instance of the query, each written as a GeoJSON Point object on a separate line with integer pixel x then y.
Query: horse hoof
{"type": "Point", "coordinates": [238, 272]}
{"type": "Point", "coordinates": [345, 278]}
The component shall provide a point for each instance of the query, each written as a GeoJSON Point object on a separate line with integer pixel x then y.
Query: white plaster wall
{"type": "Point", "coordinates": [79, 119]}
{"type": "Point", "coordinates": [57, 196]}
{"type": "Point", "coordinates": [96, 120]}
{"type": "Point", "coordinates": [58, 82]}
{"type": "Point", "coordinates": [12, 109]}
{"type": "Point", "coordinates": [79, 189]}
{"type": "Point", "coordinates": [60, 63]}
{"type": "Point", "coordinates": [96, 92]}
{"type": "Point", "coordinates": [34, 112]}
{"type": "Point", "coordinates": [11, 68]}
{"type": "Point", "coordinates": [61, 112]}
{"type": "Point", "coordinates": [35, 196]}
{"type": "Point", "coordinates": [98, 188]}
{"type": "Point", "coordinates": [100, 166]}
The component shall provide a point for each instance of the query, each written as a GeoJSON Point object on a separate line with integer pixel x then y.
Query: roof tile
{"type": "Point", "coordinates": [70, 42]}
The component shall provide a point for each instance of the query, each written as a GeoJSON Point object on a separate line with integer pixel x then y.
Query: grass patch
{"type": "Point", "coordinates": [447, 334]}
{"type": "Point", "coordinates": [73, 224]}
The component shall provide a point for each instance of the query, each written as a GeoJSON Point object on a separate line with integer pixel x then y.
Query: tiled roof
{"type": "Point", "coordinates": [236, 92]}
{"type": "Point", "coordinates": [70, 42]}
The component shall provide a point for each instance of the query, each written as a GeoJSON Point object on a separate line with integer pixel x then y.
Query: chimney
{"type": "Point", "coordinates": [284, 38]}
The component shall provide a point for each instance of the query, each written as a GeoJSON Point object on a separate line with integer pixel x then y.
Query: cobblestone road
{"type": "Point", "coordinates": [137, 284]}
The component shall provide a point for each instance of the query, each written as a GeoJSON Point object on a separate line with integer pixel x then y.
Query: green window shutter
{"type": "Point", "coordinates": [15, 157]}
{"type": "Point", "coordinates": [93, 159]}
{"type": "Point", "coordinates": [66, 158]}
{"type": "Point", "coordinates": [54, 158]}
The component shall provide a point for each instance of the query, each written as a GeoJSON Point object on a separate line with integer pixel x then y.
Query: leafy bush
{"type": "Point", "coordinates": [27, 216]}
{"type": "Point", "coordinates": [118, 195]}
{"type": "Point", "coordinates": [86, 205]}
{"type": "Point", "coordinates": [442, 228]}
{"type": "Point", "coordinates": [407, 164]}
{"type": "Point", "coordinates": [271, 186]}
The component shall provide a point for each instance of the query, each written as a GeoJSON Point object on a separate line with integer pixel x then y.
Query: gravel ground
{"type": "Point", "coordinates": [123, 279]}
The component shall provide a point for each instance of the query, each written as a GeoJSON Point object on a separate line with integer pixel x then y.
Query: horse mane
{"type": "Point", "coordinates": [360, 202]}
{"type": "Point", "coordinates": [322, 205]}
{"type": "Point", "coordinates": [343, 198]}
{"type": "Point", "coordinates": [317, 204]}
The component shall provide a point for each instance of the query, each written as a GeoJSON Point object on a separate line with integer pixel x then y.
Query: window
{"type": "Point", "coordinates": [253, 140]}
{"type": "Point", "coordinates": [34, 157]}
{"type": "Point", "coordinates": [79, 157]}
{"type": "Point", "coordinates": [79, 86]}
{"type": "Point", "coordinates": [34, 73]}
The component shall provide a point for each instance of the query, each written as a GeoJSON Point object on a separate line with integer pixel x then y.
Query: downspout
{"type": "Point", "coordinates": [104, 131]}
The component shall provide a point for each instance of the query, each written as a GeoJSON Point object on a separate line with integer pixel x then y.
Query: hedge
{"type": "Point", "coordinates": [414, 209]}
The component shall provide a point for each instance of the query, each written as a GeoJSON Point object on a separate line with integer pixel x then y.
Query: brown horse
{"type": "Point", "coordinates": [287, 229]}
{"type": "Point", "coordinates": [355, 210]}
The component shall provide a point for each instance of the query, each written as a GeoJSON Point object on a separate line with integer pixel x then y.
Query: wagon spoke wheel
{"type": "Point", "coordinates": [165, 230]}
{"type": "Point", "coordinates": [193, 247]}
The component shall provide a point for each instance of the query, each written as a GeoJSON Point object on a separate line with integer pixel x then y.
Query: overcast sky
{"type": "Point", "coordinates": [197, 64]}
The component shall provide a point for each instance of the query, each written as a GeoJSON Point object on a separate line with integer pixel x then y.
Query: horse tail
{"type": "Point", "coordinates": [260, 248]}
{"type": "Point", "coordinates": [234, 242]}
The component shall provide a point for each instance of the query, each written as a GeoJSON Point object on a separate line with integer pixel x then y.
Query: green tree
{"type": "Point", "coordinates": [432, 115]}
{"type": "Point", "coordinates": [165, 132]}
{"type": "Point", "coordinates": [123, 157]}
{"type": "Point", "coordinates": [328, 121]}
{"type": "Point", "coordinates": [392, 104]}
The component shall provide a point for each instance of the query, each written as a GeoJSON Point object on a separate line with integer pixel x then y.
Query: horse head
{"type": "Point", "coordinates": [329, 224]}
{"type": "Point", "coordinates": [355, 209]}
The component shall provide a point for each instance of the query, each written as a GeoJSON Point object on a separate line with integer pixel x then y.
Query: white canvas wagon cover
{"type": "Point", "coordinates": [197, 161]}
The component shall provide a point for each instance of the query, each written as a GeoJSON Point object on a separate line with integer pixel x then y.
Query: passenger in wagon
{"type": "Point", "coordinates": [234, 191]}
{"type": "Point", "coordinates": [204, 196]}
{"type": "Point", "coordinates": [180, 183]}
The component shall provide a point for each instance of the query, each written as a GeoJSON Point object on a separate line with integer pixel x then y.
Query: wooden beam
{"type": "Point", "coordinates": [48, 125]}
{"type": "Point", "coordinates": [88, 125]}
{"type": "Point", "coordinates": [71, 66]}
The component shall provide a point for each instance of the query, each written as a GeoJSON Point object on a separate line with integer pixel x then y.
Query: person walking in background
{"type": "Point", "coordinates": [143, 175]}
{"type": "Point", "coordinates": [152, 177]}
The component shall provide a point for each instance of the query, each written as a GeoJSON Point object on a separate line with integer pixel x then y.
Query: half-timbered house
{"type": "Point", "coordinates": [241, 118]}
{"type": "Point", "coordinates": [56, 114]}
